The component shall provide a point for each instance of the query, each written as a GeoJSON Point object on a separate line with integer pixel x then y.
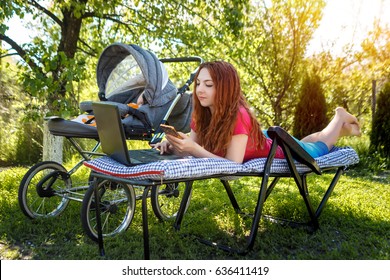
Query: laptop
{"type": "Point", "coordinates": [113, 140]}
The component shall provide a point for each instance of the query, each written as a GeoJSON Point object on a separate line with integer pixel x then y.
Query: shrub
{"type": "Point", "coordinates": [310, 113]}
{"type": "Point", "coordinates": [380, 133]}
{"type": "Point", "coordinates": [29, 144]}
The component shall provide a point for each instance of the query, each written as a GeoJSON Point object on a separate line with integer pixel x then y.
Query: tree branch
{"type": "Point", "coordinates": [47, 12]}
{"type": "Point", "coordinates": [21, 52]}
{"type": "Point", "coordinates": [110, 17]}
{"type": "Point", "coordinates": [92, 51]}
{"type": "Point", "coordinates": [8, 54]}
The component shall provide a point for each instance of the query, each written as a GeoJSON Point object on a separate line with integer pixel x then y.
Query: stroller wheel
{"type": "Point", "coordinates": [42, 191]}
{"type": "Point", "coordinates": [117, 205]}
{"type": "Point", "coordinates": [166, 200]}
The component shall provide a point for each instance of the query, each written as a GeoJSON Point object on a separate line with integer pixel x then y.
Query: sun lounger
{"type": "Point", "coordinates": [298, 164]}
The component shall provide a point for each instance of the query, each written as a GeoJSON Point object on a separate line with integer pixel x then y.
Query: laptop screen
{"type": "Point", "coordinates": [111, 132]}
{"type": "Point", "coordinates": [113, 140]}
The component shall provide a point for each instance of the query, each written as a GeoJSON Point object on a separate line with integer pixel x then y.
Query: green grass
{"type": "Point", "coordinates": [355, 224]}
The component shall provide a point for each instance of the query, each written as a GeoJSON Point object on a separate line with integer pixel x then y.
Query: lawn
{"type": "Point", "coordinates": [355, 224]}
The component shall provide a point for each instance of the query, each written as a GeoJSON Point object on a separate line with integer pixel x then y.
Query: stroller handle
{"type": "Point", "coordinates": [159, 132]}
{"type": "Point", "coordinates": [192, 76]}
{"type": "Point", "coordinates": [183, 59]}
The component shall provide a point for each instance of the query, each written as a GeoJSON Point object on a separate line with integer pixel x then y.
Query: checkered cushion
{"type": "Point", "coordinates": [338, 156]}
{"type": "Point", "coordinates": [204, 167]}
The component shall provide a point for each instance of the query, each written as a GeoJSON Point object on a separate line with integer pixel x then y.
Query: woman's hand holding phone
{"type": "Point", "coordinates": [170, 130]}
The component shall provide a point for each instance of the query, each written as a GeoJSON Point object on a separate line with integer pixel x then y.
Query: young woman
{"type": "Point", "coordinates": [223, 126]}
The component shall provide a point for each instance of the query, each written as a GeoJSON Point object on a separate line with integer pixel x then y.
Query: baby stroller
{"type": "Point", "coordinates": [127, 76]}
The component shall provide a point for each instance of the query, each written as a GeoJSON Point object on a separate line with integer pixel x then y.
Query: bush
{"type": "Point", "coordinates": [380, 133]}
{"type": "Point", "coordinates": [370, 162]}
{"type": "Point", "coordinates": [21, 143]}
{"type": "Point", "coordinates": [29, 144]}
{"type": "Point", "coordinates": [310, 113]}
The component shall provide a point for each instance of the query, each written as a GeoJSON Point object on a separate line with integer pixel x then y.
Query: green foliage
{"type": "Point", "coordinates": [375, 51]}
{"type": "Point", "coordinates": [310, 113]}
{"type": "Point", "coordinates": [28, 144]}
{"type": "Point", "coordinates": [20, 137]}
{"type": "Point", "coordinates": [344, 83]}
{"type": "Point", "coordinates": [271, 55]}
{"type": "Point", "coordinates": [380, 134]}
{"type": "Point", "coordinates": [370, 161]}
{"type": "Point", "coordinates": [265, 40]}
{"type": "Point", "coordinates": [21, 141]}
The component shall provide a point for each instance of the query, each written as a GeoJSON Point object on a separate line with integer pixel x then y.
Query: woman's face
{"type": "Point", "coordinates": [205, 89]}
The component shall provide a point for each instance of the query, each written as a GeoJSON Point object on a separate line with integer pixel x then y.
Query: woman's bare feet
{"type": "Point", "coordinates": [349, 129]}
{"type": "Point", "coordinates": [351, 126]}
{"type": "Point", "coordinates": [345, 116]}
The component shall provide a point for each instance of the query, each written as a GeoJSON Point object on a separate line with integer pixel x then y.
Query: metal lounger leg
{"type": "Point", "coordinates": [98, 218]}
{"type": "Point", "coordinates": [263, 194]}
{"type": "Point", "coordinates": [305, 194]}
{"type": "Point", "coordinates": [300, 181]}
{"type": "Point", "coordinates": [183, 205]}
{"type": "Point", "coordinates": [259, 208]}
{"type": "Point", "coordinates": [145, 227]}
{"type": "Point", "coordinates": [145, 223]}
{"type": "Point", "coordinates": [233, 199]}
{"type": "Point", "coordinates": [231, 196]}
{"type": "Point", "coordinates": [329, 191]}
{"type": "Point", "coordinates": [271, 186]}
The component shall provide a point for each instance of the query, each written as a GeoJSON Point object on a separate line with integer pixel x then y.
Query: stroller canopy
{"type": "Point", "coordinates": [122, 68]}
{"type": "Point", "coordinates": [126, 71]}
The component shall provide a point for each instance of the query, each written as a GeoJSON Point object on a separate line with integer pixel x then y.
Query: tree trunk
{"type": "Point", "coordinates": [52, 145]}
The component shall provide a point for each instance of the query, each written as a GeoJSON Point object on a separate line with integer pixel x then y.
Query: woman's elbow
{"type": "Point", "coordinates": [236, 160]}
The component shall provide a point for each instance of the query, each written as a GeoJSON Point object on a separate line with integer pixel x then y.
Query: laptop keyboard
{"type": "Point", "coordinates": [149, 155]}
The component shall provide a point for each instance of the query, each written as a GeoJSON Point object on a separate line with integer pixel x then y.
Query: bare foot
{"type": "Point", "coordinates": [345, 116]}
{"type": "Point", "coordinates": [351, 130]}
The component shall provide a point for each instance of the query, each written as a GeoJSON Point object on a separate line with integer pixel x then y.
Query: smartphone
{"type": "Point", "coordinates": [170, 130]}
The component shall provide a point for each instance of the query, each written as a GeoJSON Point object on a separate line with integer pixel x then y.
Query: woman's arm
{"type": "Point", "coordinates": [237, 147]}
{"type": "Point", "coordinates": [189, 146]}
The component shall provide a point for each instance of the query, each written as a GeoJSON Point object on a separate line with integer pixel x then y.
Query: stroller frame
{"type": "Point", "coordinates": [293, 153]}
{"type": "Point", "coordinates": [46, 187]}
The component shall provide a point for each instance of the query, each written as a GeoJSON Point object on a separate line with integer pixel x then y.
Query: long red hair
{"type": "Point", "coordinates": [215, 131]}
